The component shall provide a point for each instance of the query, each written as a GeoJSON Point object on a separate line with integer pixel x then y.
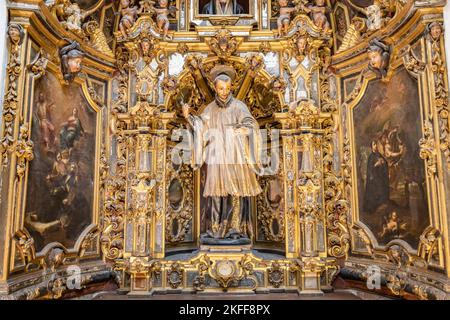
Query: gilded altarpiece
{"type": "Point", "coordinates": [97, 161]}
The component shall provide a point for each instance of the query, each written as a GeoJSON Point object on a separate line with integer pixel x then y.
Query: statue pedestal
{"type": "Point", "coordinates": [225, 248]}
{"type": "Point", "coordinates": [205, 240]}
{"type": "Point", "coordinates": [310, 283]}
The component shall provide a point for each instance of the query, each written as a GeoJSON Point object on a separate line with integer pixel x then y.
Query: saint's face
{"type": "Point", "coordinates": [223, 2]}
{"type": "Point", "coordinates": [223, 89]}
{"type": "Point", "coordinates": [374, 146]}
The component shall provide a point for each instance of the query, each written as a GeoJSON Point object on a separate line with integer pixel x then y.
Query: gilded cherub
{"type": "Point", "coordinates": [377, 14]}
{"type": "Point", "coordinates": [318, 14]}
{"type": "Point", "coordinates": [162, 12]}
{"type": "Point", "coordinates": [434, 30]}
{"type": "Point", "coordinates": [59, 7]}
{"type": "Point", "coordinates": [379, 56]}
{"type": "Point", "coordinates": [284, 19]}
{"type": "Point", "coordinates": [128, 13]}
{"type": "Point", "coordinates": [72, 16]}
{"type": "Point", "coordinates": [393, 226]}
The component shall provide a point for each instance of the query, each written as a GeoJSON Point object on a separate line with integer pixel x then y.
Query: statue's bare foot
{"type": "Point", "coordinates": [210, 233]}
{"type": "Point", "coordinates": [232, 234]}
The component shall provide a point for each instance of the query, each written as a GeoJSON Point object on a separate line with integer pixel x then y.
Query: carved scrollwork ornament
{"type": "Point", "coordinates": [223, 44]}
{"type": "Point", "coordinates": [428, 246]}
{"type": "Point", "coordinates": [428, 150]}
{"type": "Point", "coordinates": [264, 47]}
{"type": "Point", "coordinates": [353, 34]}
{"type": "Point", "coordinates": [97, 37]}
{"type": "Point", "coordinates": [25, 246]}
{"type": "Point", "coordinates": [276, 275]}
{"type": "Point", "coordinates": [88, 241]}
{"type": "Point", "coordinates": [412, 63]}
{"type": "Point", "coordinates": [175, 275]}
{"type": "Point", "coordinates": [182, 48]}
{"type": "Point", "coordinates": [38, 65]}
{"type": "Point", "coordinates": [145, 46]}
{"type": "Point", "coordinates": [434, 34]}
{"type": "Point", "coordinates": [24, 150]}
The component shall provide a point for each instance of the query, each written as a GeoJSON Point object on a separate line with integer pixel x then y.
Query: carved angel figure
{"type": "Point", "coordinates": [379, 56]}
{"type": "Point", "coordinates": [162, 12]}
{"type": "Point", "coordinates": [72, 16]}
{"type": "Point", "coordinates": [377, 14]}
{"type": "Point", "coordinates": [284, 19]}
{"type": "Point", "coordinates": [318, 14]}
{"type": "Point", "coordinates": [128, 13]}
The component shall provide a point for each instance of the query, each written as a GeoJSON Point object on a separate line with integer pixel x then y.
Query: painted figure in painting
{"type": "Point", "coordinates": [222, 138]}
{"type": "Point", "coordinates": [45, 122]}
{"type": "Point", "coordinates": [377, 180]}
{"type": "Point", "coordinates": [223, 7]}
{"type": "Point", "coordinates": [393, 150]}
{"type": "Point", "coordinates": [393, 226]}
{"type": "Point", "coordinates": [71, 131]}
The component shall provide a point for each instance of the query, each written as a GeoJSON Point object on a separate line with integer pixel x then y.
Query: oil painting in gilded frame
{"type": "Point", "coordinates": [391, 183]}
{"type": "Point", "coordinates": [63, 173]}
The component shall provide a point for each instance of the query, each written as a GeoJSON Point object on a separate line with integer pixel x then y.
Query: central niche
{"type": "Point", "coordinates": [187, 218]}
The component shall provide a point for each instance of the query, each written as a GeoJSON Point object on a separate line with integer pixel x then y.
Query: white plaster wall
{"type": "Point", "coordinates": [3, 55]}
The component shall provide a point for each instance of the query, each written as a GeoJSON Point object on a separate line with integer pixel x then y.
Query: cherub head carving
{"type": "Point", "coordinates": [434, 30]}
{"type": "Point", "coordinates": [379, 55]}
{"type": "Point", "coordinates": [71, 59]}
{"type": "Point", "coordinates": [15, 33]}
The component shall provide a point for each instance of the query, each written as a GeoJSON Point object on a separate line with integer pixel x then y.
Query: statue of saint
{"type": "Point", "coordinates": [223, 7]}
{"type": "Point", "coordinates": [227, 138]}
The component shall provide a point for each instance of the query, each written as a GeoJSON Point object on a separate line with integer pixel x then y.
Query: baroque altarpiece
{"type": "Point", "coordinates": [350, 99]}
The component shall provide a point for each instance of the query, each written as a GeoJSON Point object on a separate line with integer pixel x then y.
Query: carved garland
{"type": "Point", "coordinates": [11, 104]}
{"type": "Point", "coordinates": [439, 70]}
